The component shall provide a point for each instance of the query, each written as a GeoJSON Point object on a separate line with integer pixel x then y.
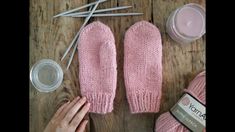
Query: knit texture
{"type": "Point", "coordinates": [97, 66]}
{"type": "Point", "coordinates": [143, 67]}
{"type": "Point", "coordinates": [167, 123]}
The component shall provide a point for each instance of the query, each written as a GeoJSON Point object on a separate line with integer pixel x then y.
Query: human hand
{"type": "Point", "coordinates": [69, 117]}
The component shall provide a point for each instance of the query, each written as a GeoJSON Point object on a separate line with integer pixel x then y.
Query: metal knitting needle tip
{"type": "Point", "coordinates": [79, 8]}
{"type": "Point", "coordinates": [98, 11]}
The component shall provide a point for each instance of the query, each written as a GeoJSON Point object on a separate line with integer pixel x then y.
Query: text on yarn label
{"type": "Point", "coordinates": [191, 113]}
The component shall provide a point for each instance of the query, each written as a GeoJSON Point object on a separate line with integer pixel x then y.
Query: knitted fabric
{"type": "Point", "coordinates": [167, 123]}
{"type": "Point", "coordinates": [97, 66]}
{"type": "Point", "coordinates": [143, 67]}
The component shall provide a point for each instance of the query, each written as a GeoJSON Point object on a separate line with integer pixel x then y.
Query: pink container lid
{"type": "Point", "coordinates": [190, 21]}
{"type": "Point", "coordinates": [187, 23]}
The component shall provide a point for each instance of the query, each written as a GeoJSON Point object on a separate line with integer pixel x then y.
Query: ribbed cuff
{"type": "Point", "coordinates": [144, 102]}
{"type": "Point", "coordinates": [101, 103]}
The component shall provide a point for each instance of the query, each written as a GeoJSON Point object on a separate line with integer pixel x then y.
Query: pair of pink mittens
{"type": "Point", "coordinates": [142, 67]}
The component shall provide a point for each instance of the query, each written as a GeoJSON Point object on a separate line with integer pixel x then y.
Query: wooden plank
{"type": "Point", "coordinates": [180, 63]}
{"type": "Point", "coordinates": [48, 39]}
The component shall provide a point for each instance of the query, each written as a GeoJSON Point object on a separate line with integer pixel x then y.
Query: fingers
{"type": "Point", "coordinates": [60, 109]}
{"type": "Point", "coordinates": [72, 112]}
{"type": "Point", "coordinates": [80, 115]}
{"type": "Point", "coordinates": [82, 126]}
{"type": "Point", "coordinates": [67, 108]}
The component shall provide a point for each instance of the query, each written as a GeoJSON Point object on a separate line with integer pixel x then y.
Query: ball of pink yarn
{"type": "Point", "coordinates": [167, 123]}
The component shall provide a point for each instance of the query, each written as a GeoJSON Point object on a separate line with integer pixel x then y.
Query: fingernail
{"type": "Point", "coordinates": [88, 104]}
{"type": "Point", "coordinates": [86, 121]}
{"type": "Point", "coordinates": [83, 98]}
{"type": "Point", "coordinates": [78, 97]}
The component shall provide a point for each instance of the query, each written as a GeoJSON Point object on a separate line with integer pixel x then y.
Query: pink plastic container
{"type": "Point", "coordinates": [187, 23]}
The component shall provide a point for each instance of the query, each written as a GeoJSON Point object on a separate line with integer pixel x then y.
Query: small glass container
{"type": "Point", "coordinates": [46, 75]}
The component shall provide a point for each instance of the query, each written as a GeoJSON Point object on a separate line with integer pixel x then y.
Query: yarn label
{"type": "Point", "coordinates": [191, 113]}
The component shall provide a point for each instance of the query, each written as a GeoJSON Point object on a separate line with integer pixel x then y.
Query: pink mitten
{"type": "Point", "coordinates": [143, 67]}
{"type": "Point", "coordinates": [97, 66]}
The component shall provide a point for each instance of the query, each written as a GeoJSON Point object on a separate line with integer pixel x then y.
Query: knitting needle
{"type": "Point", "coordinates": [98, 11]}
{"type": "Point", "coordinates": [79, 8]}
{"type": "Point", "coordinates": [112, 14]}
{"type": "Point", "coordinates": [86, 20]}
{"type": "Point", "coordinates": [75, 38]}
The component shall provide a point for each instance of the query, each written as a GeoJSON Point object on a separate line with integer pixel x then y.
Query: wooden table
{"type": "Point", "coordinates": [50, 37]}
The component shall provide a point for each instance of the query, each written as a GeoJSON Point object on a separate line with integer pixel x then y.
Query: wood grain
{"type": "Point", "coordinates": [50, 37]}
